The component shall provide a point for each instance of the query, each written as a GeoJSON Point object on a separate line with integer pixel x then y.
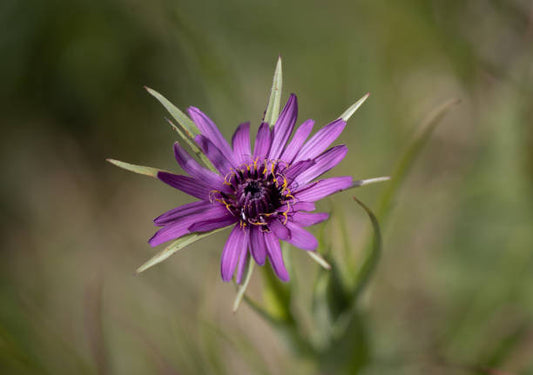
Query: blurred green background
{"type": "Point", "coordinates": [454, 290]}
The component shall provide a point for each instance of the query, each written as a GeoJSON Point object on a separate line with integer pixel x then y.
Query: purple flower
{"type": "Point", "coordinates": [266, 194]}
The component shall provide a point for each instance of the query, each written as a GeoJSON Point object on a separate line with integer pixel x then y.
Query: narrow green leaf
{"type": "Point", "coordinates": [371, 256]}
{"type": "Point", "coordinates": [183, 120]}
{"type": "Point", "coordinates": [408, 158]}
{"type": "Point", "coordinates": [242, 288]}
{"type": "Point", "coordinates": [272, 110]}
{"type": "Point", "coordinates": [140, 169]}
{"type": "Point", "coordinates": [318, 258]}
{"type": "Point", "coordinates": [353, 108]}
{"type": "Point", "coordinates": [194, 147]}
{"type": "Point", "coordinates": [174, 247]}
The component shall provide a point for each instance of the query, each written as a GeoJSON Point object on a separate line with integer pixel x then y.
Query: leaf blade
{"type": "Point", "coordinates": [408, 158]}
{"type": "Point", "coordinates": [372, 255]}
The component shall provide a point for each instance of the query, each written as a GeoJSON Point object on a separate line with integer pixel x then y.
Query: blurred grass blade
{"type": "Point", "coordinates": [94, 326]}
{"type": "Point", "coordinates": [274, 321]}
{"type": "Point", "coordinates": [370, 257]}
{"type": "Point", "coordinates": [272, 110]}
{"type": "Point", "coordinates": [369, 181]}
{"type": "Point", "coordinates": [194, 147]}
{"type": "Point", "coordinates": [410, 155]}
{"type": "Point", "coordinates": [243, 286]}
{"type": "Point", "coordinates": [277, 296]}
{"type": "Point", "coordinates": [318, 258]}
{"type": "Point", "coordinates": [353, 108]}
{"type": "Point", "coordinates": [140, 169]}
{"type": "Point", "coordinates": [174, 247]}
{"type": "Point", "coordinates": [183, 120]}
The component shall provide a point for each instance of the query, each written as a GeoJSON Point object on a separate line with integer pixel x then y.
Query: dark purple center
{"type": "Point", "coordinates": [256, 194]}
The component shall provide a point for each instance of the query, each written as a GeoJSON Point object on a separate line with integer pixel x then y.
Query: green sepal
{"type": "Point", "coordinates": [319, 259]}
{"type": "Point", "coordinates": [369, 181]}
{"type": "Point", "coordinates": [353, 108]}
{"type": "Point", "coordinates": [140, 169]}
{"type": "Point", "coordinates": [241, 289]}
{"type": "Point", "coordinates": [274, 102]}
{"type": "Point", "coordinates": [194, 147]}
{"type": "Point", "coordinates": [188, 126]}
{"type": "Point", "coordinates": [175, 246]}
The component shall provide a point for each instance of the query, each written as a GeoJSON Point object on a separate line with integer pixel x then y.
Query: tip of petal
{"type": "Point", "coordinates": [152, 240]}
{"type": "Point", "coordinates": [193, 110]}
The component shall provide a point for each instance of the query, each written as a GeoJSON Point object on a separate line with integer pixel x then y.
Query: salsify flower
{"type": "Point", "coordinates": [267, 194]}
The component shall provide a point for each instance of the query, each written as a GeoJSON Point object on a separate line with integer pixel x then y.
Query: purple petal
{"type": "Point", "coordinates": [284, 126]}
{"type": "Point", "coordinates": [190, 185]}
{"type": "Point", "coordinates": [322, 188]}
{"type": "Point", "coordinates": [262, 141]}
{"type": "Point", "coordinates": [221, 220]}
{"type": "Point", "coordinates": [178, 212]}
{"type": "Point", "coordinates": [295, 169]}
{"type": "Point", "coordinates": [257, 245]}
{"type": "Point", "coordinates": [241, 143]}
{"type": "Point", "coordinates": [221, 162]}
{"type": "Point", "coordinates": [279, 230]}
{"type": "Point", "coordinates": [306, 219]}
{"type": "Point", "coordinates": [243, 256]}
{"type": "Point", "coordinates": [301, 238]}
{"type": "Point", "coordinates": [321, 140]}
{"type": "Point", "coordinates": [231, 252]}
{"type": "Point", "coordinates": [180, 226]}
{"type": "Point", "coordinates": [323, 163]}
{"type": "Point", "coordinates": [194, 169]}
{"type": "Point", "coordinates": [209, 129]}
{"type": "Point", "coordinates": [297, 141]}
{"type": "Point", "coordinates": [275, 256]}
{"type": "Point", "coordinates": [303, 206]}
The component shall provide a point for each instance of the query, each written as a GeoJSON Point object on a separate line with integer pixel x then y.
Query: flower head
{"type": "Point", "coordinates": [267, 194]}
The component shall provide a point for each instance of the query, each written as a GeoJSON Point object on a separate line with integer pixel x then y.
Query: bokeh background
{"type": "Point", "coordinates": [454, 290]}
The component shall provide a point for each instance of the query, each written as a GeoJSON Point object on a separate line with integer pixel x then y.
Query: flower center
{"type": "Point", "coordinates": [253, 189]}
{"type": "Point", "coordinates": [256, 193]}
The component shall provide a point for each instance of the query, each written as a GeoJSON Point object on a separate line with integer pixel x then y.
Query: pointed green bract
{"type": "Point", "coordinates": [188, 126]}
{"type": "Point", "coordinates": [318, 258]}
{"type": "Point", "coordinates": [274, 102]}
{"type": "Point", "coordinates": [174, 247]}
{"type": "Point", "coordinates": [194, 147]}
{"type": "Point", "coordinates": [369, 181]}
{"type": "Point", "coordinates": [353, 108]}
{"type": "Point", "coordinates": [140, 169]}
{"type": "Point", "coordinates": [242, 288]}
